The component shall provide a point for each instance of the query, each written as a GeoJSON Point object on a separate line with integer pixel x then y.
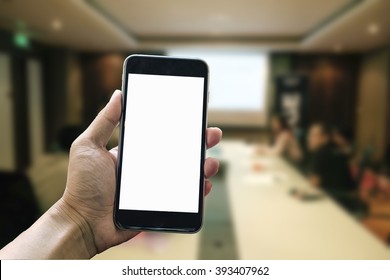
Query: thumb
{"type": "Point", "coordinates": [102, 127]}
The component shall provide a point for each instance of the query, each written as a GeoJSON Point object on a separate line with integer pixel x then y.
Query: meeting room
{"type": "Point", "coordinates": [297, 165]}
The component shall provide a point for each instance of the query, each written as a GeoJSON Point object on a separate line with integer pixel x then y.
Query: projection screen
{"type": "Point", "coordinates": [238, 86]}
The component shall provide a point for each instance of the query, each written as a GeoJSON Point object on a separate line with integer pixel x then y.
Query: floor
{"type": "Point", "coordinates": [217, 240]}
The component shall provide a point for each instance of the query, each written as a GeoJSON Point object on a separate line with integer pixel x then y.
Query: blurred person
{"type": "Point", "coordinates": [326, 167]}
{"type": "Point", "coordinates": [283, 141]}
{"type": "Point", "coordinates": [369, 181]}
{"type": "Point", "coordinates": [383, 181]}
{"type": "Point", "coordinates": [342, 138]}
{"type": "Point", "coordinates": [375, 181]}
{"type": "Point", "coordinates": [80, 224]}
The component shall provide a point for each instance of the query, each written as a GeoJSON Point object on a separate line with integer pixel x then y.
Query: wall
{"type": "Point", "coordinates": [101, 75]}
{"type": "Point", "coordinates": [35, 108]}
{"type": "Point", "coordinates": [373, 102]}
{"type": "Point", "coordinates": [53, 63]}
{"type": "Point", "coordinates": [387, 154]}
{"type": "Point", "coordinates": [280, 64]}
{"type": "Point", "coordinates": [55, 73]}
{"type": "Point", "coordinates": [332, 87]}
{"type": "Point", "coordinates": [74, 114]}
{"type": "Point", "coordinates": [17, 92]}
{"type": "Point", "coordinates": [7, 135]}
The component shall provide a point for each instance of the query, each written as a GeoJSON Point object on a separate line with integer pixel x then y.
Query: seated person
{"type": "Point", "coordinates": [283, 141]}
{"type": "Point", "coordinates": [375, 182]}
{"type": "Point", "coordinates": [342, 138]}
{"type": "Point", "coordinates": [383, 182]}
{"type": "Point", "coordinates": [326, 167]}
{"type": "Point", "coordinates": [369, 181]}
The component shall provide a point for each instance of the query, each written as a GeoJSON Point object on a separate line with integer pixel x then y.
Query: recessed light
{"type": "Point", "coordinates": [56, 24]}
{"type": "Point", "coordinates": [373, 28]}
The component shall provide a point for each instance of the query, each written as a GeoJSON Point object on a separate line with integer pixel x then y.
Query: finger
{"type": "Point", "coordinates": [102, 127]}
{"type": "Point", "coordinates": [213, 136]}
{"type": "Point", "coordinates": [114, 151]}
{"type": "Point", "coordinates": [207, 187]}
{"type": "Point", "coordinates": [211, 166]}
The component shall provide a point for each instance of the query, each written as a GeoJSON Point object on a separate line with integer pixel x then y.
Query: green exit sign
{"type": "Point", "coordinates": [21, 40]}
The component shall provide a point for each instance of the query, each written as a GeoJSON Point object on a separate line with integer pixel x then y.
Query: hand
{"type": "Point", "coordinates": [91, 182]}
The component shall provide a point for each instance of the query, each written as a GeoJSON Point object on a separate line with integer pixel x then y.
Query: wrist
{"type": "Point", "coordinates": [76, 231]}
{"type": "Point", "coordinates": [61, 233]}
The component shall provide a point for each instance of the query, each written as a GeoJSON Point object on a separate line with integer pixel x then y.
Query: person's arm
{"type": "Point", "coordinates": [81, 223]}
{"type": "Point", "coordinates": [59, 234]}
{"type": "Point", "coordinates": [279, 146]}
{"type": "Point", "coordinates": [315, 169]}
{"type": "Point", "coordinates": [295, 150]}
{"type": "Point", "coordinates": [314, 180]}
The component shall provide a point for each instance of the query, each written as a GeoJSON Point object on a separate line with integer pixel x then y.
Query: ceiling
{"type": "Point", "coordinates": [350, 31]}
{"type": "Point", "coordinates": [230, 18]}
{"type": "Point", "coordinates": [307, 25]}
{"type": "Point", "coordinates": [82, 26]}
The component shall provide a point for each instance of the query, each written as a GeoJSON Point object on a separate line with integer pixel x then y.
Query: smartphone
{"type": "Point", "coordinates": [161, 151]}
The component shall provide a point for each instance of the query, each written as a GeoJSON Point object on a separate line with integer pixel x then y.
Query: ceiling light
{"type": "Point", "coordinates": [56, 24]}
{"type": "Point", "coordinates": [373, 28]}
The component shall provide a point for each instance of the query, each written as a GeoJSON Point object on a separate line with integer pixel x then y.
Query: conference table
{"type": "Point", "coordinates": [268, 221]}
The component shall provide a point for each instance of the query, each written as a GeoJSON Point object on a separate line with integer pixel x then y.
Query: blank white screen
{"type": "Point", "coordinates": [162, 143]}
{"type": "Point", "coordinates": [238, 85]}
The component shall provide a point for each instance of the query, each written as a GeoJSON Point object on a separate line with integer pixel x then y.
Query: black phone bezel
{"type": "Point", "coordinates": [161, 220]}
